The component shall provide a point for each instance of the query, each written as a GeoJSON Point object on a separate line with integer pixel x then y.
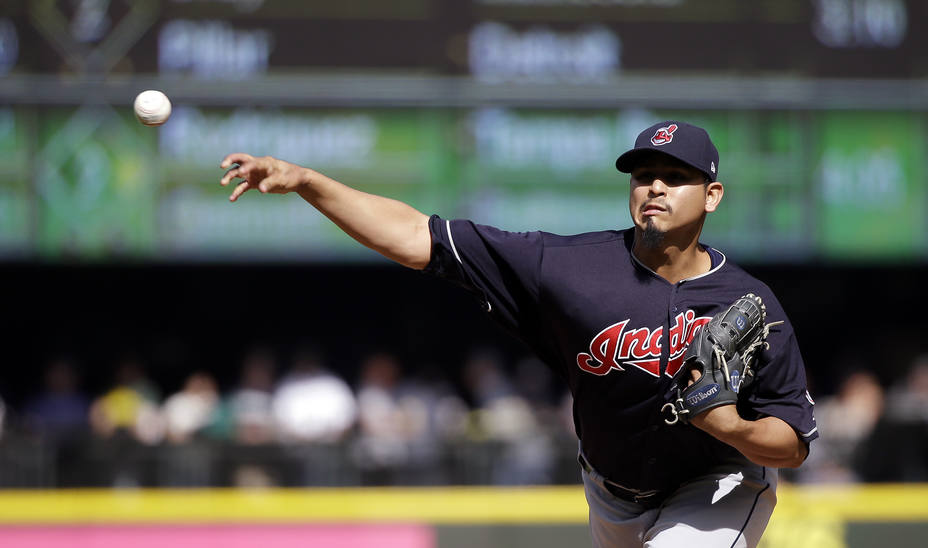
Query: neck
{"type": "Point", "coordinates": [673, 259]}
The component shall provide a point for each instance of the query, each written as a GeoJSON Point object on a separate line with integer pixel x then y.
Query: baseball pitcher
{"type": "Point", "coordinates": [688, 385]}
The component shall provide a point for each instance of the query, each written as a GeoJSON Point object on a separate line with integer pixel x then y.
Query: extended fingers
{"type": "Point", "coordinates": [235, 158]}
{"type": "Point", "coordinates": [239, 190]}
{"type": "Point", "coordinates": [236, 171]}
{"type": "Point", "coordinates": [240, 164]}
{"type": "Point", "coordinates": [255, 173]}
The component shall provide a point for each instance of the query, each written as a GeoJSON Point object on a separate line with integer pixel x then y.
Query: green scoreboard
{"type": "Point", "coordinates": [507, 112]}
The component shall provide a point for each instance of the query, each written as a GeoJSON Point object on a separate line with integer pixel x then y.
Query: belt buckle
{"type": "Point", "coordinates": [619, 491]}
{"type": "Point", "coordinates": [643, 498]}
{"type": "Point", "coordinates": [649, 499]}
{"type": "Point", "coordinates": [638, 497]}
{"type": "Point", "coordinates": [625, 493]}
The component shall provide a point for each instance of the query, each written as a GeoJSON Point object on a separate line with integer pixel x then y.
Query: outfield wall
{"type": "Point", "coordinates": [540, 517]}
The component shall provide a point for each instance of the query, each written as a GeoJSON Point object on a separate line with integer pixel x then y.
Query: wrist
{"type": "Point", "coordinates": [723, 422]}
{"type": "Point", "coordinates": [307, 182]}
{"type": "Point", "coordinates": [307, 178]}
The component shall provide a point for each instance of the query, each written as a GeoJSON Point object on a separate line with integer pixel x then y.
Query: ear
{"type": "Point", "coordinates": [714, 193]}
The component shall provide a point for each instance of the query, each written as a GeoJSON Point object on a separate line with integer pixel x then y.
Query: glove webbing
{"type": "Point", "coordinates": [748, 353]}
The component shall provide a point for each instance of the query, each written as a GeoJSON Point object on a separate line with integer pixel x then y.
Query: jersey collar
{"type": "Point", "coordinates": [718, 261]}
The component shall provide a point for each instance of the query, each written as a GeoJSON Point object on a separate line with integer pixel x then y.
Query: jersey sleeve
{"type": "Point", "coordinates": [780, 389]}
{"type": "Point", "coordinates": [500, 268]}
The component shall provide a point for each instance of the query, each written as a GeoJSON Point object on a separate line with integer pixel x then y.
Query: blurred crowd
{"type": "Point", "coordinates": [299, 422]}
{"type": "Point", "coordinates": [388, 425]}
{"type": "Point", "coordinates": [872, 433]}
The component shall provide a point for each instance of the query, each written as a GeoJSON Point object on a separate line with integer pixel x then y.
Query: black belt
{"type": "Point", "coordinates": [648, 499]}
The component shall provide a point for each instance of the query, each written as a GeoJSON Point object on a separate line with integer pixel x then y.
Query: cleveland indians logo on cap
{"type": "Point", "coordinates": [663, 135]}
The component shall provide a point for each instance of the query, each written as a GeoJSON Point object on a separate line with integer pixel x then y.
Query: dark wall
{"type": "Point", "coordinates": [180, 318]}
{"type": "Point", "coordinates": [854, 317]}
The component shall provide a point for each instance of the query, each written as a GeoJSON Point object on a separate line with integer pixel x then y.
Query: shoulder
{"type": "Point", "coordinates": [734, 275]}
{"type": "Point", "coordinates": [439, 225]}
{"type": "Point", "coordinates": [740, 282]}
{"type": "Point", "coordinates": [728, 280]}
{"type": "Point", "coordinates": [586, 238]}
{"type": "Point", "coordinates": [737, 276]}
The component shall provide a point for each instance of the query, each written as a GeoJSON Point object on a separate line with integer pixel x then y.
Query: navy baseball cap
{"type": "Point", "coordinates": [688, 143]}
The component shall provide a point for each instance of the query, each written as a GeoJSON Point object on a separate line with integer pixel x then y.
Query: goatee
{"type": "Point", "coordinates": [651, 236]}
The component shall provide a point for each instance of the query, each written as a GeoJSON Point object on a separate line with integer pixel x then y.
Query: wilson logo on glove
{"type": "Point", "coordinates": [706, 393]}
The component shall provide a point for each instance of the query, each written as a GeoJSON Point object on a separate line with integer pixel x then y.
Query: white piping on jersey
{"type": "Point", "coordinates": [451, 239]}
{"type": "Point", "coordinates": [720, 265]}
{"type": "Point", "coordinates": [810, 432]}
{"type": "Point", "coordinates": [458, 257]}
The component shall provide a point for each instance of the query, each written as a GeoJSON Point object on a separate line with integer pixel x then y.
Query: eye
{"type": "Point", "coordinates": [645, 177]}
{"type": "Point", "coordinates": [675, 177]}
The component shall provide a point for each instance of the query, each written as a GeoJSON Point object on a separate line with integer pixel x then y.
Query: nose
{"type": "Point", "coordinates": [657, 187]}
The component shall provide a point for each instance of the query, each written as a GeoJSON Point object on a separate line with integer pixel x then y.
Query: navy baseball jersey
{"type": "Point", "coordinates": [617, 332]}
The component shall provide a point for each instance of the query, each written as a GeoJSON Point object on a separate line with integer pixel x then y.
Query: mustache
{"type": "Point", "coordinates": [659, 204]}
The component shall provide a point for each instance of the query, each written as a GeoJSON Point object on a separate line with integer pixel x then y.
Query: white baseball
{"type": "Point", "coordinates": [152, 107]}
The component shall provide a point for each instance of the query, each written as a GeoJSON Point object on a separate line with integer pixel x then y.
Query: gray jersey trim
{"type": "Point", "coordinates": [810, 432]}
{"type": "Point", "coordinates": [712, 271]}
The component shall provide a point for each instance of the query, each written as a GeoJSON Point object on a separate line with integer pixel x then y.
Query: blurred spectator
{"type": "Point", "coordinates": [485, 378]}
{"type": "Point", "coordinates": [246, 418]}
{"type": "Point", "coordinates": [897, 450]}
{"type": "Point", "coordinates": [191, 410]}
{"type": "Point", "coordinates": [250, 405]}
{"type": "Point", "coordinates": [845, 422]}
{"type": "Point", "coordinates": [435, 414]}
{"type": "Point", "coordinates": [311, 404]}
{"type": "Point", "coordinates": [59, 411]}
{"type": "Point", "coordinates": [504, 416]}
{"type": "Point", "coordinates": [384, 427]}
{"type": "Point", "coordinates": [129, 408]}
{"type": "Point", "coordinates": [131, 373]}
{"type": "Point", "coordinates": [534, 381]}
{"type": "Point", "coordinates": [448, 412]}
{"type": "Point", "coordinates": [400, 422]}
{"type": "Point", "coordinates": [908, 399]}
{"type": "Point", "coordinates": [125, 419]}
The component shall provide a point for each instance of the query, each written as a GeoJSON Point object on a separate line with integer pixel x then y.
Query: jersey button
{"type": "Point", "coordinates": [652, 460]}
